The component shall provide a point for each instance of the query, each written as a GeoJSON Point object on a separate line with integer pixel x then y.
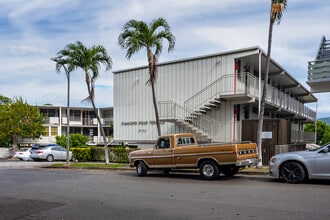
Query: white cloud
{"type": "Point", "coordinates": [32, 32]}
{"type": "Point", "coordinates": [23, 50]}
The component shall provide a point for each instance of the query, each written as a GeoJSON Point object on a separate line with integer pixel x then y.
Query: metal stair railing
{"type": "Point", "coordinates": [201, 125]}
{"type": "Point", "coordinates": [242, 83]}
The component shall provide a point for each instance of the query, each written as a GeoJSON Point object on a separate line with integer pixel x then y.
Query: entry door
{"type": "Point", "coordinates": [163, 153]}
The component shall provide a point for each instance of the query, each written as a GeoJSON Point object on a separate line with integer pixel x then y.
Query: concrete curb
{"type": "Point", "coordinates": [249, 171]}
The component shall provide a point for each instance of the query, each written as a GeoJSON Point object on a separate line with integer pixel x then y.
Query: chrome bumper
{"type": "Point", "coordinates": [247, 162]}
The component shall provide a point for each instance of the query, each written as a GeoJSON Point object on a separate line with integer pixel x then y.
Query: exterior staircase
{"type": "Point", "coordinates": [204, 127]}
{"type": "Point", "coordinates": [193, 115]}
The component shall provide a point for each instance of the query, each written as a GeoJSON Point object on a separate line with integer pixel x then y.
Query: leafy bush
{"type": "Point", "coordinates": [76, 140]}
{"type": "Point", "coordinates": [81, 154]}
{"type": "Point", "coordinates": [116, 154]}
{"type": "Point", "coordinates": [97, 154]}
{"type": "Point", "coordinates": [61, 140]}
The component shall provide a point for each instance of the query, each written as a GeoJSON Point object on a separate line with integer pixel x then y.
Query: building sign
{"type": "Point", "coordinates": [140, 122]}
{"type": "Point", "coordinates": [267, 135]}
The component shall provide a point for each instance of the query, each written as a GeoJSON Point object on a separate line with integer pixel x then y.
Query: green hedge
{"type": "Point", "coordinates": [82, 153]}
{"type": "Point", "coordinates": [116, 154]}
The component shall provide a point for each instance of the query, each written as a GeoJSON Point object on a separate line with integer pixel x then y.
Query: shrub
{"type": "Point", "coordinates": [97, 154]}
{"type": "Point", "coordinates": [76, 140]}
{"type": "Point", "coordinates": [81, 154]}
{"type": "Point", "coordinates": [118, 155]}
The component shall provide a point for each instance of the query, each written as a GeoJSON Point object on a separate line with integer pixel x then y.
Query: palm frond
{"type": "Point", "coordinates": [277, 8]}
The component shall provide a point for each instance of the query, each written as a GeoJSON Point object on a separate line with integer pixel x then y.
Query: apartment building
{"type": "Point", "coordinates": [82, 121]}
{"type": "Point", "coordinates": [211, 96]}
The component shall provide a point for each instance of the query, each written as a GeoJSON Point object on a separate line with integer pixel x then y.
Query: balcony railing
{"type": "Point", "coordinates": [319, 69]}
{"type": "Point", "coordinates": [302, 137]}
{"type": "Point", "coordinates": [246, 84]}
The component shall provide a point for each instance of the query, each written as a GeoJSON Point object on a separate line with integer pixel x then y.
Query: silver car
{"type": "Point", "coordinates": [295, 167]}
{"type": "Point", "coordinates": [49, 152]}
{"type": "Point", "coordinates": [23, 154]}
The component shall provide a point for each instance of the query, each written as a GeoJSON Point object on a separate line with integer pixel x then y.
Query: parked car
{"type": "Point", "coordinates": [295, 167]}
{"type": "Point", "coordinates": [23, 154]}
{"type": "Point", "coordinates": [49, 152]}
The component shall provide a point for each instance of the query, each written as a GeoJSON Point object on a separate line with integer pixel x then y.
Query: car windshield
{"type": "Point", "coordinates": [24, 149]}
{"type": "Point", "coordinates": [318, 148]}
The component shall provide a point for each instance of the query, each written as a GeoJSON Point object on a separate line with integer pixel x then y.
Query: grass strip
{"type": "Point", "coordinates": [91, 165]}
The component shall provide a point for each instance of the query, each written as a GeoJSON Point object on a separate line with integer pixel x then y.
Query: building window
{"type": "Point", "coordinates": [46, 131]}
{"type": "Point", "coordinates": [75, 115]}
{"type": "Point", "coordinates": [53, 131]}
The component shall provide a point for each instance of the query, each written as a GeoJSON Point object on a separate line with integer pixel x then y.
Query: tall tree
{"type": "Point", "coordinates": [19, 120]}
{"type": "Point", "coordinates": [276, 9]}
{"type": "Point", "coordinates": [138, 35]}
{"type": "Point", "coordinates": [89, 60]}
{"type": "Point", "coordinates": [322, 131]}
{"type": "Point", "coordinates": [4, 100]}
{"type": "Point", "coordinates": [62, 61]}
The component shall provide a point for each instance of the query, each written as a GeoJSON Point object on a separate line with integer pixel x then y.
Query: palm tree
{"type": "Point", "coordinates": [138, 35]}
{"type": "Point", "coordinates": [61, 63]}
{"type": "Point", "coordinates": [76, 55]}
{"type": "Point", "coordinates": [277, 8]}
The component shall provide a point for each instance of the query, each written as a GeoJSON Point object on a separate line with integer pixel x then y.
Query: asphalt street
{"type": "Point", "coordinates": [42, 193]}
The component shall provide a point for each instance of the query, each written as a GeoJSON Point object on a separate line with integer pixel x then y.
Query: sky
{"type": "Point", "coordinates": [32, 32]}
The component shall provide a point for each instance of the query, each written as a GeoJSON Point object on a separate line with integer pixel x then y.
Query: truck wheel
{"type": "Point", "coordinates": [209, 170]}
{"type": "Point", "coordinates": [229, 170]}
{"type": "Point", "coordinates": [141, 169]}
{"type": "Point", "coordinates": [292, 172]}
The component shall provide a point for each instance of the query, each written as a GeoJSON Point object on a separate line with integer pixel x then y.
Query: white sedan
{"type": "Point", "coordinates": [23, 154]}
{"type": "Point", "coordinates": [295, 167]}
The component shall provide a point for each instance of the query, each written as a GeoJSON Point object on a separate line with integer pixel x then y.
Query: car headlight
{"type": "Point", "coordinates": [273, 159]}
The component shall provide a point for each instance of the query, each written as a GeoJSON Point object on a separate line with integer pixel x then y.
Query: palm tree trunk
{"type": "Point", "coordinates": [152, 77]}
{"type": "Point", "coordinates": [155, 107]}
{"type": "Point", "coordinates": [91, 99]}
{"type": "Point", "coordinates": [68, 118]}
{"type": "Point", "coordinates": [106, 150]}
{"type": "Point", "coordinates": [264, 92]}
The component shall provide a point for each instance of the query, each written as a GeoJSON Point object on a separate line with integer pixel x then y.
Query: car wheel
{"type": "Point", "coordinates": [141, 169]}
{"type": "Point", "coordinates": [209, 170]}
{"type": "Point", "coordinates": [292, 172]}
{"type": "Point", "coordinates": [229, 170]}
{"type": "Point", "coordinates": [50, 158]}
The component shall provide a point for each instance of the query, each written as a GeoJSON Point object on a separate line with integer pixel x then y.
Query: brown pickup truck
{"type": "Point", "coordinates": [181, 151]}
